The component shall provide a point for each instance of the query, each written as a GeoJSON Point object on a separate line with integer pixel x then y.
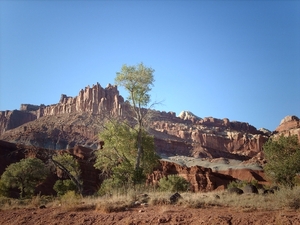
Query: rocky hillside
{"type": "Point", "coordinates": [218, 144]}
{"type": "Point", "coordinates": [78, 120]}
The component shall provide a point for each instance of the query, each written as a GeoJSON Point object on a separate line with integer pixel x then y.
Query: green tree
{"type": "Point", "coordinates": [173, 183]}
{"type": "Point", "coordinates": [137, 80]}
{"type": "Point", "coordinates": [67, 164]}
{"type": "Point", "coordinates": [283, 159]}
{"type": "Point", "coordinates": [25, 175]}
{"type": "Point", "coordinates": [117, 158]}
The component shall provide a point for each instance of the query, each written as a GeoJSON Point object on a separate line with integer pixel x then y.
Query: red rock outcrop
{"type": "Point", "coordinates": [289, 125]}
{"type": "Point", "coordinates": [12, 119]}
{"type": "Point", "coordinates": [201, 179]}
{"type": "Point", "coordinates": [94, 100]}
{"type": "Point", "coordinates": [209, 137]}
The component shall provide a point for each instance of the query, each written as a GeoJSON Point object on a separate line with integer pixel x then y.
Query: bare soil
{"type": "Point", "coordinates": [166, 214]}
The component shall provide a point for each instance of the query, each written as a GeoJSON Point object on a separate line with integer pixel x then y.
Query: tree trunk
{"type": "Point", "coordinates": [75, 181]}
{"type": "Point", "coordinates": [139, 150]}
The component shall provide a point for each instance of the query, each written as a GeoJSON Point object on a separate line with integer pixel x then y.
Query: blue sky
{"type": "Point", "coordinates": [227, 59]}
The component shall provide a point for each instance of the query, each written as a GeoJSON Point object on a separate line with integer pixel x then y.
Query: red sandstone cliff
{"type": "Point", "coordinates": [94, 100]}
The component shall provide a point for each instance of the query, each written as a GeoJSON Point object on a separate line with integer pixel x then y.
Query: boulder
{"type": "Point", "coordinates": [250, 189]}
{"type": "Point", "coordinates": [235, 190]}
{"type": "Point", "coordinates": [175, 197]}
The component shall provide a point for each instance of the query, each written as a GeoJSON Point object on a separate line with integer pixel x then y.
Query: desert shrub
{"type": "Point", "coordinates": [63, 186]}
{"type": "Point", "coordinates": [241, 184]}
{"type": "Point", "coordinates": [173, 183]}
{"type": "Point", "coordinates": [70, 199]}
{"type": "Point", "coordinates": [283, 159]}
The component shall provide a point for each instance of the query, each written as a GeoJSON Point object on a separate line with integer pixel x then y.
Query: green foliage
{"type": "Point", "coordinates": [117, 158]}
{"type": "Point", "coordinates": [63, 186]}
{"type": "Point", "coordinates": [242, 183]}
{"type": "Point", "coordinates": [137, 80]}
{"type": "Point", "coordinates": [24, 175]}
{"type": "Point", "coordinates": [3, 189]}
{"type": "Point", "coordinates": [283, 159]}
{"type": "Point", "coordinates": [110, 185]}
{"type": "Point", "coordinates": [70, 200]}
{"type": "Point", "coordinates": [173, 183]}
{"type": "Point", "coordinates": [68, 165]}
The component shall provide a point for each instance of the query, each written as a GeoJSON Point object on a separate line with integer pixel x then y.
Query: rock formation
{"type": "Point", "coordinates": [73, 124]}
{"type": "Point", "coordinates": [12, 119]}
{"type": "Point", "coordinates": [201, 179]}
{"type": "Point", "coordinates": [209, 137]}
{"type": "Point", "coordinates": [78, 121]}
{"type": "Point", "coordinates": [94, 100]}
{"type": "Point", "coordinates": [289, 125]}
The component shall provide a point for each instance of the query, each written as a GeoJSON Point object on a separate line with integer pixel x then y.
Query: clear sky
{"type": "Point", "coordinates": [227, 59]}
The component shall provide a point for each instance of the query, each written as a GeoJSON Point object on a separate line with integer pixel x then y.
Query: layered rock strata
{"type": "Point", "coordinates": [94, 100]}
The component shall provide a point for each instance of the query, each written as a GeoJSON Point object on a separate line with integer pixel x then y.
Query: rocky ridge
{"type": "Point", "coordinates": [93, 100]}
{"type": "Point", "coordinates": [77, 121]}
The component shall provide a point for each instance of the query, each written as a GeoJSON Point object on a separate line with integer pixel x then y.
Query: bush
{"type": "Point", "coordinates": [63, 186]}
{"type": "Point", "coordinates": [241, 184]}
{"type": "Point", "coordinates": [70, 199]}
{"type": "Point", "coordinates": [283, 160]}
{"type": "Point", "coordinates": [173, 183]}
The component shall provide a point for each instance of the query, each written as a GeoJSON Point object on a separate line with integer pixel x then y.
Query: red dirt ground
{"type": "Point", "coordinates": [167, 214]}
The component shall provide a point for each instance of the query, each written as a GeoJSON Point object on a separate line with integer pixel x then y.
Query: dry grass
{"type": "Point", "coordinates": [114, 203]}
{"type": "Point", "coordinates": [280, 200]}
{"type": "Point", "coordinates": [34, 202]}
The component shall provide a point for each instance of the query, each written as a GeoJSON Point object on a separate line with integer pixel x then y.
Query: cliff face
{"type": "Point", "coordinates": [209, 138]}
{"type": "Point", "coordinates": [12, 119]}
{"type": "Point", "coordinates": [94, 100]}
